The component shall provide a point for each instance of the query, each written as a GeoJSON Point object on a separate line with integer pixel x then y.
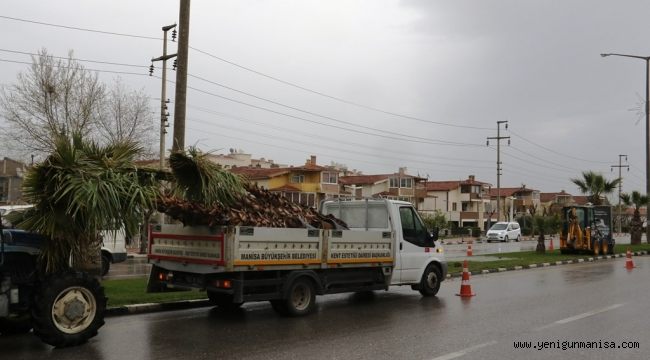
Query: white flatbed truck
{"type": "Point", "coordinates": [386, 244]}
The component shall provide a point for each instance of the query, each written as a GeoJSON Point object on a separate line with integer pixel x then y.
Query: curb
{"type": "Point", "coordinates": [546, 264]}
{"type": "Point", "coordinates": [156, 307]}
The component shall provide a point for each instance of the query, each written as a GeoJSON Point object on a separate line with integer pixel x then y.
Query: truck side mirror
{"type": "Point", "coordinates": [434, 234]}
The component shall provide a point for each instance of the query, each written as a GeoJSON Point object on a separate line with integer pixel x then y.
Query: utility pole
{"type": "Point", "coordinates": [498, 138]}
{"type": "Point", "coordinates": [178, 141]}
{"type": "Point", "coordinates": [164, 115]}
{"type": "Point", "coordinates": [620, 186]}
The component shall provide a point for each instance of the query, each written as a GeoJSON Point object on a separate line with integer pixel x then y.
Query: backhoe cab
{"type": "Point", "coordinates": [586, 229]}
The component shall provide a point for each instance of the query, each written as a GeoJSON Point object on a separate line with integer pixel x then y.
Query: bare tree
{"type": "Point", "coordinates": [60, 97]}
{"type": "Point", "coordinates": [126, 116]}
{"type": "Point", "coordinates": [53, 97]}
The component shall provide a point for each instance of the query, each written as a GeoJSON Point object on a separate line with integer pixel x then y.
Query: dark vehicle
{"type": "Point", "coordinates": [63, 309]}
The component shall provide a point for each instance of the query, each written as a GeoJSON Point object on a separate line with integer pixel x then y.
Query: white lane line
{"type": "Point", "coordinates": [579, 316]}
{"type": "Point", "coordinates": [464, 351]}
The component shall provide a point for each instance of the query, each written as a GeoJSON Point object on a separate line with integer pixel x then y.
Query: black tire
{"type": "Point", "coordinates": [68, 309]}
{"type": "Point", "coordinates": [430, 283]}
{"type": "Point", "coordinates": [223, 301]}
{"type": "Point", "coordinates": [505, 239]}
{"type": "Point", "coordinates": [518, 238]}
{"type": "Point", "coordinates": [280, 307]}
{"type": "Point", "coordinates": [301, 297]}
{"type": "Point", "coordinates": [15, 325]}
{"type": "Point", "coordinates": [106, 264]}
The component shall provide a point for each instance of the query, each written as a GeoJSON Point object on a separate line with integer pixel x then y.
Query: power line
{"type": "Point", "coordinates": [248, 131]}
{"type": "Point", "coordinates": [403, 138]}
{"type": "Point", "coordinates": [555, 152]}
{"type": "Point", "coordinates": [79, 28]}
{"type": "Point", "coordinates": [435, 141]}
{"type": "Point", "coordinates": [68, 67]}
{"type": "Point", "coordinates": [285, 129]}
{"type": "Point", "coordinates": [75, 59]}
{"type": "Point", "coordinates": [257, 73]}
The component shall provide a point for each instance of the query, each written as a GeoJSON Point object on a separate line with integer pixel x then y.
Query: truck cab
{"type": "Point", "coordinates": [415, 247]}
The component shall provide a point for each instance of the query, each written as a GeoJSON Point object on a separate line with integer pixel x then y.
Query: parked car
{"type": "Point", "coordinates": [504, 231]}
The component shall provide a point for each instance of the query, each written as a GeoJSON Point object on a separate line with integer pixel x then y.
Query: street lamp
{"type": "Point", "coordinates": [647, 125]}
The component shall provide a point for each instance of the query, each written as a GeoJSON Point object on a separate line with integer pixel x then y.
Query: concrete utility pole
{"type": "Point", "coordinates": [647, 127]}
{"type": "Point", "coordinates": [620, 186]}
{"type": "Point", "coordinates": [498, 139]}
{"type": "Point", "coordinates": [164, 115]}
{"type": "Point", "coordinates": [181, 76]}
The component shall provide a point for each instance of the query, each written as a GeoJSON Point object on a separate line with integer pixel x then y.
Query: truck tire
{"type": "Point", "coordinates": [68, 309]}
{"type": "Point", "coordinates": [301, 297]}
{"type": "Point", "coordinates": [15, 325]}
{"type": "Point", "coordinates": [280, 307]}
{"type": "Point", "coordinates": [430, 283]}
{"type": "Point", "coordinates": [106, 264]}
{"type": "Point", "coordinates": [223, 301]}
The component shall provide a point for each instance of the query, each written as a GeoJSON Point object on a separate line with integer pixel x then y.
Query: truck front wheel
{"type": "Point", "coordinates": [68, 309]}
{"type": "Point", "coordinates": [301, 299]}
{"type": "Point", "coordinates": [430, 283]}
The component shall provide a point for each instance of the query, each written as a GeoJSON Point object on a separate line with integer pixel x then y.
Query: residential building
{"type": "Point", "coordinates": [519, 201]}
{"type": "Point", "coordinates": [396, 186]}
{"type": "Point", "coordinates": [308, 184]}
{"type": "Point", "coordinates": [11, 181]}
{"type": "Point", "coordinates": [552, 203]}
{"type": "Point", "coordinates": [464, 202]}
{"type": "Point", "coordinates": [238, 158]}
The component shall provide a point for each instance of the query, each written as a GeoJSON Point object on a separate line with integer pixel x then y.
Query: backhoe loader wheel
{"type": "Point", "coordinates": [68, 309]}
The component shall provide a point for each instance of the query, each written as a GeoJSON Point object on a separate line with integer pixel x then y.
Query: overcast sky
{"type": "Point", "coordinates": [410, 83]}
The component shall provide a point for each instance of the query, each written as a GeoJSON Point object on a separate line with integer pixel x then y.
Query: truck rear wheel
{"type": "Point", "coordinates": [301, 298]}
{"type": "Point", "coordinates": [68, 309]}
{"type": "Point", "coordinates": [430, 283]}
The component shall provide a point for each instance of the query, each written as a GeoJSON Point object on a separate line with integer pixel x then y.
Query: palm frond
{"type": "Point", "coordinates": [200, 180]}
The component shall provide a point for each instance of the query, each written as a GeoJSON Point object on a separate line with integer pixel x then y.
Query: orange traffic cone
{"type": "Point", "coordinates": [469, 249]}
{"type": "Point", "coordinates": [629, 264]}
{"type": "Point", "coordinates": [465, 287]}
{"type": "Point", "coordinates": [550, 245]}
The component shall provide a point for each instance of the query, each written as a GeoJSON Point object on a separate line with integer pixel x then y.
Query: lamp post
{"type": "Point", "coordinates": [647, 125]}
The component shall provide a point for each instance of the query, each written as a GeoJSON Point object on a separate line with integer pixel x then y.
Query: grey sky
{"type": "Point", "coordinates": [468, 63]}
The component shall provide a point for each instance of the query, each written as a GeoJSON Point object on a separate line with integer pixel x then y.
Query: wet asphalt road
{"type": "Point", "coordinates": [597, 302]}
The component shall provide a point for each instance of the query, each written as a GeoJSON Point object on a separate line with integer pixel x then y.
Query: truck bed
{"type": "Point", "coordinates": [242, 248]}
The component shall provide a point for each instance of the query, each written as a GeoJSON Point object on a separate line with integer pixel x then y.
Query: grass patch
{"type": "Point", "coordinates": [525, 258]}
{"type": "Point", "coordinates": [134, 291]}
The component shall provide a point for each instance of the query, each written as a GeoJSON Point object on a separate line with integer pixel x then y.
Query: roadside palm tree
{"type": "Point", "coordinates": [636, 225]}
{"type": "Point", "coordinates": [81, 189]}
{"type": "Point", "coordinates": [595, 185]}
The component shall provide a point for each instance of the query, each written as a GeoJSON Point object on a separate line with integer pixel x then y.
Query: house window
{"type": "Point", "coordinates": [298, 179]}
{"type": "Point", "coordinates": [329, 178]}
{"type": "Point", "coordinates": [394, 182]}
{"type": "Point", "coordinates": [4, 190]}
{"type": "Point", "coordinates": [406, 183]}
{"type": "Point", "coordinates": [453, 207]}
{"type": "Point", "coordinates": [306, 199]}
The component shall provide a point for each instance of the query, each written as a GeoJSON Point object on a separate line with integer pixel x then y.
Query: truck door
{"type": "Point", "coordinates": [411, 245]}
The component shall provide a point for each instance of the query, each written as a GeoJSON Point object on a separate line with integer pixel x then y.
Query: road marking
{"type": "Point", "coordinates": [464, 351]}
{"type": "Point", "coordinates": [579, 316]}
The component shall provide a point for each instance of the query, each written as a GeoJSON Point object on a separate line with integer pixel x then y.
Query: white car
{"type": "Point", "coordinates": [504, 231]}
